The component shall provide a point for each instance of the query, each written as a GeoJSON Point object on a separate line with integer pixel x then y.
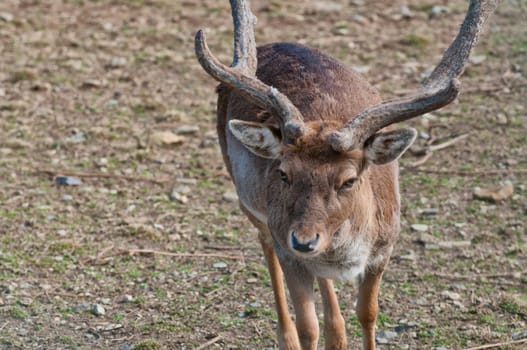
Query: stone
{"type": "Point", "coordinates": [187, 129]}
{"type": "Point", "coordinates": [325, 7]}
{"type": "Point", "coordinates": [501, 119]}
{"type": "Point", "coordinates": [419, 227]}
{"type": "Point", "coordinates": [406, 12]}
{"type": "Point", "coordinates": [450, 295]}
{"type": "Point", "coordinates": [25, 301]}
{"type": "Point", "coordinates": [219, 265]}
{"type": "Point", "coordinates": [519, 335]}
{"type": "Point", "coordinates": [98, 310]}
{"type": "Point", "coordinates": [477, 59]}
{"type": "Point", "coordinates": [81, 308]}
{"type": "Point", "coordinates": [384, 337]}
{"type": "Point", "coordinates": [230, 197]}
{"type": "Point", "coordinates": [454, 244]}
{"type": "Point", "coordinates": [79, 137]}
{"type": "Point", "coordinates": [165, 138]}
{"type": "Point", "coordinates": [410, 256]}
{"type": "Point", "coordinates": [117, 62]}
{"type": "Point", "coordinates": [68, 180]}
{"type": "Point", "coordinates": [6, 16]}
{"type": "Point", "coordinates": [177, 197]}
{"type": "Point", "coordinates": [428, 211]}
{"type": "Point", "coordinates": [438, 10]}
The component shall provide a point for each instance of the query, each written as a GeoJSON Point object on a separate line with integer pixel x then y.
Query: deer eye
{"type": "Point", "coordinates": [346, 185]}
{"type": "Point", "coordinates": [283, 176]}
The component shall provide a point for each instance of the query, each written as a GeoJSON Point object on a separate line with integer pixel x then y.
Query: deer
{"type": "Point", "coordinates": [313, 154]}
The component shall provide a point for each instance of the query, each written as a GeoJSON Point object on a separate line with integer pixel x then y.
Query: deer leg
{"type": "Point", "coordinates": [368, 307]}
{"type": "Point", "coordinates": [300, 284]}
{"type": "Point", "coordinates": [287, 335]}
{"type": "Point", "coordinates": [334, 326]}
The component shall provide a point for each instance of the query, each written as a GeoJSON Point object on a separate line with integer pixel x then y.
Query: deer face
{"type": "Point", "coordinates": [313, 190]}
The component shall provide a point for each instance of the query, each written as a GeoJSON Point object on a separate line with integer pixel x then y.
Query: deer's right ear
{"type": "Point", "coordinates": [258, 138]}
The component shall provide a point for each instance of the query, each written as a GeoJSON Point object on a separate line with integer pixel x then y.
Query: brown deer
{"type": "Point", "coordinates": [308, 144]}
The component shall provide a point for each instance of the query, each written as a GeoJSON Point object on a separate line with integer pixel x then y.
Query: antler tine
{"type": "Point", "coordinates": [241, 76]}
{"type": "Point", "coordinates": [439, 89]}
{"type": "Point", "coordinates": [244, 20]}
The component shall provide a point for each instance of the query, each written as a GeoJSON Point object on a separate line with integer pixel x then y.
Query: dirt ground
{"type": "Point", "coordinates": [112, 87]}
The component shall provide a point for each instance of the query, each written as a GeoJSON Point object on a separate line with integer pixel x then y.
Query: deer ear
{"type": "Point", "coordinates": [258, 138]}
{"type": "Point", "coordinates": [385, 147]}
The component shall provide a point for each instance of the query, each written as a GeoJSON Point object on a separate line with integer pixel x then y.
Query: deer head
{"type": "Point", "coordinates": [317, 177]}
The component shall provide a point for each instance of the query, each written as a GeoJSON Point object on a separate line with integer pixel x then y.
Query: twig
{"type": "Point", "coordinates": [209, 343]}
{"type": "Point", "coordinates": [421, 160]}
{"type": "Point", "coordinates": [490, 346]}
{"type": "Point", "coordinates": [4, 325]}
{"type": "Point", "coordinates": [101, 175]}
{"type": "Point", "coordinates": [175, 255]}
{"type": "Point", "coordinates": [477, 277]}
{"type": "Point", "coordinates": [471, 173]}
{"type": "Point", "coordinates": [449, 142]}
{"type": "Point", "coordinates": [427, 152]}
{"type": "Point", "coordinates": [100, 255]}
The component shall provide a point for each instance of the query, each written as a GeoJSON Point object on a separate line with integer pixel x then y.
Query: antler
{"type": "Point", "coordinates": [241, 75]}
{"type": "Point", "coordinates": [438, 90]}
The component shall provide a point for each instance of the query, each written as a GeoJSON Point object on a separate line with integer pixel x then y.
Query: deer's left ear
{"type": "Point", "coordinates": [258, 138]}
{"type": "Point", "coordinates": [385, 147]}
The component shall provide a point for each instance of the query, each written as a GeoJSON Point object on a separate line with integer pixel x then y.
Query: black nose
{"type": "Point", "coordinates": [304, 247]}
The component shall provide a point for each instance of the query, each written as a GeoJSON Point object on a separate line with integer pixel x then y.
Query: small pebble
{"type": "Point", "coordinates": [187, 129]}
{"type": "Point", "coordinates": [450, 295]}
{"type": "Point", "coordinates": [25, 301]}
{"type": "Point", "coordinates": [406, 12]}
{"type": "Point", "coordinates": [428, 211]}
{"type": "Point", "coordinates": [519, 335]}
{"type": "Point", "coordinates": [98, 310]}
{"type": "Point", "coordinates": [437, 10]}
{"type": "Point", "coordinates": [178, 197]}
{"type": "Point", "coordinates": [419, 227]}
{"type": "Point", "coordinates": [81, 308]}
{"type": "Point", "coordinates": [220, 265]}
{"type": "Point", "coordinates": [384, 336]}
{"type": "Point", "coordinates": [68, 180]}
{"type": "Point", "coordinates": [6, 16]}
{"type": "Point", "coordinates": [230, 197]}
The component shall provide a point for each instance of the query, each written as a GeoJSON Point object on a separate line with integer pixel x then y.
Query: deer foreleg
{"type": "Point", "coordinates": [287, 335]}
{"type": "Point", "coordinates": [334, 326]}
{"type": "Point", "coordinates": [368, 307]}
{"type": "Point", "coordinates": [300, 284]}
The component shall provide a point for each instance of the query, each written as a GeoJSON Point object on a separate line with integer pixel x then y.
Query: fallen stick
{"type": "Point", "coordinates": [469, 173]}
{"type": "Point", "coordinates": [427, 152]}
{"type": "Point", "coordinates": [478, 277]}
{"type": "Point", "coordinates": [421, 160]}
{"type": "Point", "coordinates": [101, 254]}
{"type": "Point", "coordinates": [209, 343]}
{"type": "Point", "coordinates": [175, 255]}
{"type": "Point", "coordinates": [101, 175]}
{"type": "Point", "coordinates": [490, 346]}
{"type": "Point", "coordinates": [448, 143]}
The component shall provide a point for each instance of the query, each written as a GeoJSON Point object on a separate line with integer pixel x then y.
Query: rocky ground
{"type": "Point", "coordinates": [119, 227]}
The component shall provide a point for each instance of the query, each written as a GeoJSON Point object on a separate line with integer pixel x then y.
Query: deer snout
{"type": "Point", "coordinates": [304, 244]}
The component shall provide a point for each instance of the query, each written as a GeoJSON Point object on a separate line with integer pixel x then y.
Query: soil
{"type": "Point", "coordinates": [150, 249]}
